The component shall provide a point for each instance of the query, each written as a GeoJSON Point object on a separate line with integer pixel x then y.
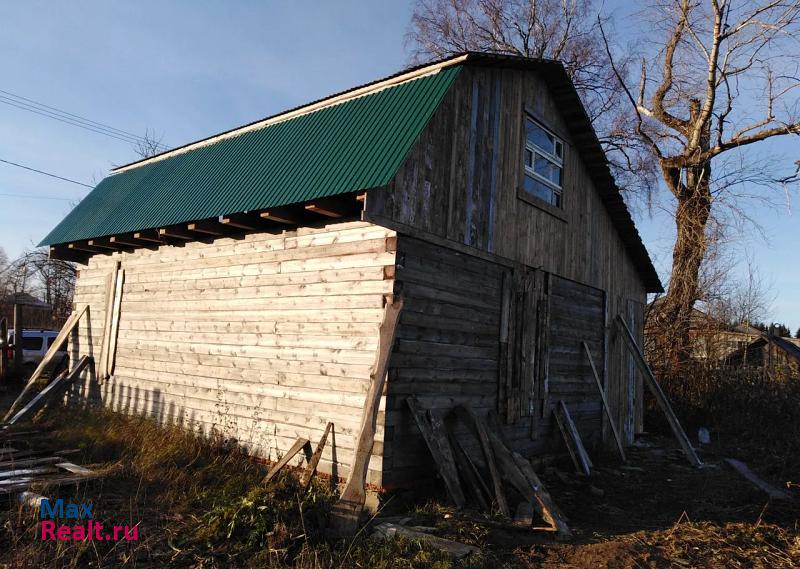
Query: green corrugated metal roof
{"type": "Point", "coordinates": [357, 144]}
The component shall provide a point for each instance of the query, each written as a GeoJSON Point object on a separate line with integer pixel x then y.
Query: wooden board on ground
{"type": "Point", "coordinates": [572, 438]}
{"type": "Point", "coordinates": [436, 438]}
{"type": "Point", "coordinates": [750, 476]}
{"type": "Point", "coordinates": [455, 549]}
{"type": "Point", "coordinates": [657, 392]}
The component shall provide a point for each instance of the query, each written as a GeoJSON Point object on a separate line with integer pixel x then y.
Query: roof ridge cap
{"type": "Point", "coordinates": [308, 108]}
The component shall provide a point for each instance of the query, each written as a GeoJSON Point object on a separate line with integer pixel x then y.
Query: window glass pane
{"type": "Point", "coordinates": [547, 169]}
{"type": "Point", "coordinates": [540, 137]}
{"type": "Point", "coordinates": [31, 343]}
{"type": "Point", "coordinates": [528, 158]}
{"type": "Point", "coordinates": [538, 189]}
{"type": "Point", "coordinates": [50, 340]}
{"type": "Point", "coordinates": [559, 149]}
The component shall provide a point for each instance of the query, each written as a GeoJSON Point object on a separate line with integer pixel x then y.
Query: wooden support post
{"type": "Point", "coordinates": [658, 393]}
{"type": "Point", "coordinates": [18, 328]}
{"type": "Point", "coordinates": [347, 511]}
{"type": "Point", "coordinates": [56, 346]}
{"type": "Point", "coordinates": [572, 438]}
{"type": "Point", "coordinates": [607, 408]}
{"type": "Point", "coordinates": [3, 349]}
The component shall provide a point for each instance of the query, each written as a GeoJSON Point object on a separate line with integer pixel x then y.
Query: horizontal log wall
{"type": "Point", "coordinates": [447, 347]}
{"type": "Point", "coordinates": [263, 339]}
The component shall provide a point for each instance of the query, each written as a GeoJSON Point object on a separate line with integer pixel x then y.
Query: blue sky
{"type": "Point", "coordinates": [190, 69]}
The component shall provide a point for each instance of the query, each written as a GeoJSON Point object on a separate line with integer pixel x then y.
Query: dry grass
{"type": "Point", "coordinates": [755, 417]}
{"type": "Point", "coordinates": [199, 503]}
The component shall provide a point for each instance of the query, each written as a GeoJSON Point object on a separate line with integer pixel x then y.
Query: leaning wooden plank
{"type": "Point", "coordinates": [657, 392]}
{"type": "Point", "coordinates": [544, 504]}
{"type": "Point", "coordinates": [111, 283]}
{"type": "Point", "coordinates": [455, 549]}
{"type": "Point", "coordinates": [112, 340]}
{"type": "Point", "coordinates": [436, 439]}
{"type": "Point", "coordinates": [55, 387]}
{"type": "Point", "coordinates": [478, 426]}
{"type": "Point", "coordinates": [763, 485]}
{"type": "Point", "coordinates": [606, 406]}
{"type": "Point", "coordinates": [298, 444]}
{"type": "Point", "coordinates": [572, 438]}
{"type": "Point", "coordinates": [520, 474]}
{"type": "Point", "coordinates": [57, 344]}
{"type": "Point", "coordinates": [346, 512]}
{"type": "Point", "coordinates": [472, 477]}
{"type": "Point", "coordinates": [305, 481]}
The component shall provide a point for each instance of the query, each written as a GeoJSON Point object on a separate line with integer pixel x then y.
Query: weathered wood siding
{"type": "Point", "coordinates": [263, 339]}
{"type": "Point", "coordinates": [447, 349]}
{"type": "Point", "coordinates": [461, 184]}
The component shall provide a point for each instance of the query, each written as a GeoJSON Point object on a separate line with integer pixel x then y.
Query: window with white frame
{"type": "Point", "coordinates": [544, 163]}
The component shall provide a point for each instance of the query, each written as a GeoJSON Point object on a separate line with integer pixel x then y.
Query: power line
{"type": "Point", "coordinates": [45, 173]}
{"type": "Point", "coordinates": [60, 111]}
{"type": "Point", "coordinates": [60, 115]}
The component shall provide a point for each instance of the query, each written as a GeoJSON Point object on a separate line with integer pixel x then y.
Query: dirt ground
{"type": "Point", "coordinates": [654, 511]}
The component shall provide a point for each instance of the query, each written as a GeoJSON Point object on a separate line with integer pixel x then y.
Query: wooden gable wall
{"type": "Point", "coordinates": [460, 186]}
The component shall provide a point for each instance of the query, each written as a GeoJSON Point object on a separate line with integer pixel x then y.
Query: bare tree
{"type": "Point", "coordinates": [565, 30]}
{"type": "Point", "coordinates": [149, 144]}
{"type": "Point", "coordinates": [725, 77]}
{"type": "Point", "coordinates": [51, 280]}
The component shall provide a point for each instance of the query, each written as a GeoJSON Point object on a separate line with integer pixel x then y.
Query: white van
{"type": "Point", "coordinates": [35, 344]}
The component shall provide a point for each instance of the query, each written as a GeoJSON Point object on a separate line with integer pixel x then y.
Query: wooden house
{"type": "Point", "coordinates": [257, 263]}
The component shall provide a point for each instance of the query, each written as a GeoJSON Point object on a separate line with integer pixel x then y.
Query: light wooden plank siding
{"type": "Point", "coordinates": [459, 187]}
{"type": "Point", "coordinates": [264, 338]}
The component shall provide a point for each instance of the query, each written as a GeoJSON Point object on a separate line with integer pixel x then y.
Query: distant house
{"type": "Point", "coordinates": [35, 313]}
{"type": "Point", "coordinates": [776, 355]}
{"type": "Point", "coordinates": [257, 262]}
{"type": "Point", "coordinates": [711, 338]}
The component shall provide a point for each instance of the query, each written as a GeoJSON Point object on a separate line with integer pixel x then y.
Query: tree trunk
{"type": "Point", "coordinates": [691, 220]}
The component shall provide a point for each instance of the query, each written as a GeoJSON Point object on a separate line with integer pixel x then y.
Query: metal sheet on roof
{"type": "Point", "coordinates": [348, 146]}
